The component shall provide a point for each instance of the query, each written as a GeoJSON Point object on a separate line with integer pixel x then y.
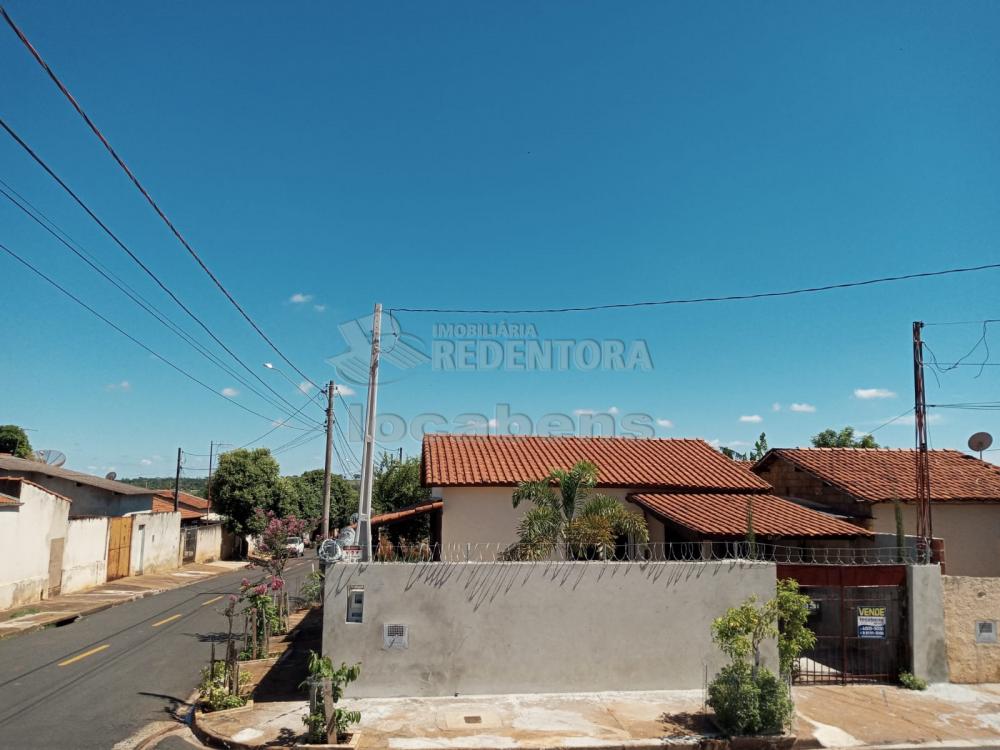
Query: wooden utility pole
{"type": "Point", "coordinates": [368, 460]}
{"type": "Point", "coordinates": [925, 529]}
{"type": "Point", "coordinates": [208, 485]}
{"type": "Point", "coordinates": [328, 467]}
{"type": "Point", "coordinates": [177, 483]}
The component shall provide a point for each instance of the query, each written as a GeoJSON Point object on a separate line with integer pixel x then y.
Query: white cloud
{"type": "Point", "coordinates": [613, 410]}
{"type": "Point", "coordinates": [752, 418]}
{"type": "Point", "coordinates": [581, 412]}
{"type": "Point", "coordinates": [867, 393]}
{"type": "Point", "coordinates": [343, 390]}
{"type": "Point", "coordinates": [229, 392]}
{"type": "Point", "coordinates": [738, 444]}
{"type": "Point", "coordinates": [664, 423]}
{"type": "Point", "coordinates": [715, 442]}
{"type": "Point", "coordinates": [319, 308]}
{"type": "Point", "coordinates": [306, 387]}
{"type": "Point", "coordinates": [492, 422]}
{"type": "Point", "coordinates": [122, 386]}
{"type": "Point", "coordinates": [775, 406]}
{"type": "Point", "coordinates": [300, 298]}
{"type": "Point", "coordinates": [805, 408]}
{"type": "Point", "coordinates": [145, 462]}
{"type": "Point", "coordinates": [909, 420]}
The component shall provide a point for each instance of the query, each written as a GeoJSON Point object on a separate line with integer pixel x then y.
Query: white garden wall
{"type": "Point", "coordinates": [155, 542]}
{"type": "Point", "coordinates": [85, 562]}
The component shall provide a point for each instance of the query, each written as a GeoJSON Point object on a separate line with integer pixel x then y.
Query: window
{"type": "Point", "coordinates": [356, 604]}
{"type": "Point", "coordinates": [986, 631]}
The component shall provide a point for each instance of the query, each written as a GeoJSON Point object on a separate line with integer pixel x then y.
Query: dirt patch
{"type": "Point", "coordinates": [686, 724]}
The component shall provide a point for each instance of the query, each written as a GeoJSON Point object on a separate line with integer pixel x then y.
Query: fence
{"type": "Point", "coordinates": [708, 551]}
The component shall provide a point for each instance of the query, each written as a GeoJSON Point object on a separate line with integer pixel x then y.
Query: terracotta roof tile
{"type": "Point", "coordinates": [725, 515]}
{"type": "Point", "coordinates": [165, 504]}
{"type": "Point", "coordinates": [506, 460]}
{"type": "Point", "coordinates": [884, 474]}
{"type": "Point", "coordinates": [410, 511]}
{"type": "Point", "coordinates": [187, 498]}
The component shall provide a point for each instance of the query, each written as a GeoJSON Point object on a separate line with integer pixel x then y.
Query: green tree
{"type": "Point", "coordinates": [759, 448]}
{"type": "Point", "coordinates": [568, 513]}
{"type": "Point", "coordinates": [306, 497]}
{"type": "Point", "coordinates": [245, 481]}
{"type": "Point", "coordinates": [844, 439]}
{"type": "Point", "coordinates": [397, 484]}
{"type": "Point", "coordinates": [14, 439]}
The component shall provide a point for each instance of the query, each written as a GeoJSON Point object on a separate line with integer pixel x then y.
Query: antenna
{"type": "Point", "coordinates": [111, 475]}
{"type": "Point", "coordinates": [50, 457]}
{"type": "Point", "coordinates": [980, 442]}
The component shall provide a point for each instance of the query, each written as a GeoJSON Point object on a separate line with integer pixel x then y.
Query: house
{"type": "Point", "coordinates": [193, 509]}
{"type": "Point", "coordinates": [33, 524]}
{"type": "Point", "coordinates": [92, 496]}
{"type": "Point", "coordinates": [686, 491]}
{"type": "Point", "coordinates": [862, 484]}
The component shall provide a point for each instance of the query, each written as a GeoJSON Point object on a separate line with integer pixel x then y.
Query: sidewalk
{"type": "Point", "coordinates": [945, 716]}
{"type": "Point", "coordinates": [64, 609]}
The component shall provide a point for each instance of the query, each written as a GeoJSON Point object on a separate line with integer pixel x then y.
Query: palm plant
{"type": "Point", "coordinates": [568, 514]}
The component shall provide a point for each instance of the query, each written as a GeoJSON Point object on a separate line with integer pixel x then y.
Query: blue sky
{"type": "Point", "coordinates": [507, 155]}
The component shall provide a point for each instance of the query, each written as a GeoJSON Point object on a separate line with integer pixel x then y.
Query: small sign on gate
{"type": "Point", "coordinates": [871, 622]}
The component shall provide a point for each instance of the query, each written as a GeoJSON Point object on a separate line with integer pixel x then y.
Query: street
{"type": "Point", "coordinates": [97, 681]}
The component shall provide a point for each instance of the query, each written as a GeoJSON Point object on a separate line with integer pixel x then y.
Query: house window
{"type": "Point", "coordinates": [986, 631]}
{"type": "Point", "coordinates": [356, 604]}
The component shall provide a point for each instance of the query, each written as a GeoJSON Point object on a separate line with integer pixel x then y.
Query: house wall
{"type": "Point", "coordinates": [26, 532]}
{"type": "Point", "coordinates": [486, 518]}
{"type": "Point", "coordinates": [789, 481]}
{"type": "Point", "coordinates": [89, 500]}
{"type": "Point", "coordinates": [966, 601]}
{"type": "Point", "coordinates": [209, 545]}
{"type": "Point", "coordinates": [971, 533]}
{"type": "Point", "coordinates": [85, 562]}
{"type": "Point", "coordinates": [925, 606]}
{"type": "Point", "coordinates": [479, 628]}
{"type": "Point", "coordinates": [161, 548]}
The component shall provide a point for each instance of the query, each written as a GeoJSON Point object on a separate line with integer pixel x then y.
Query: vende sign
{"type": "Point", "coordinates": [871, 622]}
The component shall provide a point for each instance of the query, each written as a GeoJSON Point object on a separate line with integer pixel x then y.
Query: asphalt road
{"type": "Point", "coordinates": [97, 681]}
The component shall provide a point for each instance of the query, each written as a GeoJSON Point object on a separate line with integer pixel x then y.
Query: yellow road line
{"type": "Point", "coordinates": [84, 655]}
{"type": "Point", "coordinates": [211, 601]}
{"type": "Point", "coordinates": [162, 622]}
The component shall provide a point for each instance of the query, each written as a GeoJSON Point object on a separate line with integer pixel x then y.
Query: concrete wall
{"type": "Point", "coordinates": [209, 546]}
{"type": "Point", "coordinates": [927, 630]}
{"type": "Point", "coordinates": [85, 556]}
{"type": "Point", "coordinates": [966, 601]}
{"type": "Point", "coordinates": [971, 533]}
{"type": "Point", "coordinates": [478, 628]}
{"type": "Point", "coordinates": [486, 516]}
{"type": "Point", "coordinates": [157, 548]}
{"type": "Point", "coordinates": [92, 501]}
{"type": "Point", "coordinates": [26, 533]}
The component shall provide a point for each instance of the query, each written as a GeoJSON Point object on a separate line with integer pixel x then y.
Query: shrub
{"type": "Point", "coordinates": [214, 688]}
{"type": "Point", "coordinates": [748, 701]}
{"type": "Point", "coordinates": [911, 682]}
{"type": "Point", "coordinates": [312, 589]}
{"type": "Point", "coordinates": [322, 675]}
{"type": "Point", "coordinates": [776, 708]}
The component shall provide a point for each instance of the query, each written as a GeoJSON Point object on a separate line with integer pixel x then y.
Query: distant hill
{"type": "Point", "coordinates": [194, 485]}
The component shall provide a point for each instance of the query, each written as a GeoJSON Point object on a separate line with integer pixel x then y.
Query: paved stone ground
{"type": "Point", "coordinates": [62, 609]}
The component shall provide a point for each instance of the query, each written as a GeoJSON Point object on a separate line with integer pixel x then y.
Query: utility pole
{"type": "Point", "coordinates": [208, 486]}
{"type": "Point", "coordinates": [368, 460]}
{"type": "Point", "coordinates": [177, 483]}
{"type": "Point", "coordinates": [330, 392]}
{"type": "Point", "coordinates": [400, 454]}
{"type": "Point", "coordinates": [925, 529]}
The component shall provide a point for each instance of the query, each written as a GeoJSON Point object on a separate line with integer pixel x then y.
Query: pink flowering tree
{"type": "Point", "coordinates": [273, 541]}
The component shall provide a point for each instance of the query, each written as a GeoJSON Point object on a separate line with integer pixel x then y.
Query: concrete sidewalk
{"type": "Point", "coordinates": [945, 716]}
{"type": "Point", "coordinates": [65, 609]}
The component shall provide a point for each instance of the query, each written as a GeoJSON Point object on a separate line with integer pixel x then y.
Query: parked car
{"type": "Point", "coordinates": [295, 546]}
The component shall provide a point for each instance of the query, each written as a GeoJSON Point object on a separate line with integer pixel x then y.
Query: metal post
{"type": "Point", "coordinates": [208, 486]}
{"type": "Point", "coordinates": [368, 467]}
{"type": "Point", "coordinates": [177, 483]}
{"type": "Point", "coordinates": [328, 467]}
{"type": "Point", "coordinates": [925, 531]}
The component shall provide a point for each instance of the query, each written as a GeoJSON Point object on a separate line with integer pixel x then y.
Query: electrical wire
{"type": "Point", "coordinates": [694, 300]}
{"type": "Point", "coordinates": [127, 335]}
{"type": "Point", "coordinates": [60, 235]}
{"type": "Point", "coordinates": [135, 181]}
{"type": "Point", "coordinates": [889, 422]}
{"type": "Point", "coordinates": [41, 162]}
{"type": "Point", "coordinates": [276, 427]}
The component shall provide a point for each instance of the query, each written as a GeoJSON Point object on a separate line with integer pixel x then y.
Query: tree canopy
{"type": "Point", "coordinates": [830, 438]}
{"type": "Point", "coordinates": [13, 439]}
{"type": "Point", "coordinates": [306, 497]}
{"type": "Point", "coordinates": [245, 481]}
{"type": "Point", "coordinates": [397, 484]}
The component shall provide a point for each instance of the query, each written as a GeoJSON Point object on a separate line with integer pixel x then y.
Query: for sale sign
{"type": "Point", "coordinates": [871, 622]}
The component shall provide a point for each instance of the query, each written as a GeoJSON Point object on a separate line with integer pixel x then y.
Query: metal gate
{"type": "Point", "coordinates": [119, 547]}
{"type": "Point", "coordinates": [860, 635]}
{"type": "Point", "coordinates": [190, 543]}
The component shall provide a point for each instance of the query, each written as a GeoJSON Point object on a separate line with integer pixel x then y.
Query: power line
{"type": "Point", "coordinates": [276, 427]}
{"type": "Point", "coordinates": [60, 235]}
{"type": "Point", "coordinates": [145, 193]}
{"type": "Point", "coordinates": [963, 322]}
{"type": "Point", "coordinates": [20, 141]}
{"type": "Point", "coordinates": [889, 422]}
{"type": "Point", "coordinates": [694, 300]}
{"type": "Point", "coordinates": [127, 335]}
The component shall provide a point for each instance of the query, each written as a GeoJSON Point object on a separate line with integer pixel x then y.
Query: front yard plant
{"type": "Point", "coordinates": [911, 682]}
{"type": "Point", "coordinates": [216, 688]}
{"type": "Point", "coordinates": [325, 681]}
{"type": "Point", "coordinates": [747, 697]}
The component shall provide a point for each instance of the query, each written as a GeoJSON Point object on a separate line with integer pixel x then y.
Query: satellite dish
{"type": "Point", "coordinates": [50, 457]}
{"type": "Point", "coordinates": [111, 475]}
{"type": "Point", "coordinates": [980, 441]}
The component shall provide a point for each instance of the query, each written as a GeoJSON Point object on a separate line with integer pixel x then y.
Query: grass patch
{"type": "Point", "coordinates": [23, 612]}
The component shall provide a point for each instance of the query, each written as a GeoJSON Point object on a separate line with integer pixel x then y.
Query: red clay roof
{"type": "Point", "coordinates": [190, 506]}
{"type": "Point", "coordinates": [725, 515]}
{"type": "Point", "coordinates": [883, 474]}
{"type": "Point", "coordinates": [506, 460]}
{"type": "Point", "coordinates": [410, 511]}
{"type": "Point", "coordinates": [187, 498]}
